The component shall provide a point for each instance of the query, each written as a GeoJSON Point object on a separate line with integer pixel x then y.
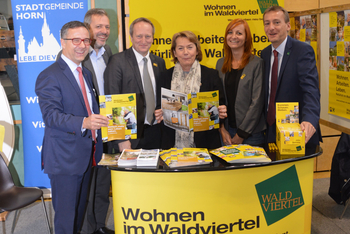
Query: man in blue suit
{"type": "Point", "coordinates": [72, 140]}
{"type": "Point", "coordinates": [296, 77]}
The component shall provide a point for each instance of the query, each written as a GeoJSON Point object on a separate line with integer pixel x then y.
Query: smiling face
{"type": "Point", "coordinates": [76, 53]}
{"type": "Point", "coordinates": [275, 27]}
{"type": "Point", "coordinates": [236, 37]}
{"type": "Point", "coordinates": [100, 29]}
{"type": "Point", "coordinates": [142, 37]}
{"type": "Point", "coordinates": [186, 52]}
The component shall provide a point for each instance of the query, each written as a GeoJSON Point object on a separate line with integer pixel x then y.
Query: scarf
{"type": "Point", "coordinates": [186, 82]}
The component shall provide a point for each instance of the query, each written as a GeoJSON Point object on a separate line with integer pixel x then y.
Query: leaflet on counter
{"type": "Point", "coordinates": [185, 157]}
{"type": "Point", "coordinates": [120, 109]}
{"type": "Point", "coordinates": [241, 154]}
{"type": "Point", "coordinates": [109, 159]}
{"type": "Point", "coordinates": [139, 157]}
{"type": "Point", "coordinates": [190, 112]}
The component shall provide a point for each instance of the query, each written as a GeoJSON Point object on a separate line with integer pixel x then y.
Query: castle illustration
{"type": "Point", "coordinates": [49, 46]}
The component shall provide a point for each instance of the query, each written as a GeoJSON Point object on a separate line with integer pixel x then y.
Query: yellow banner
{"type": "Point", "coordinates": [207, 19]}
{"type": "Point", "coordinates": [252, 200]}
{"type": "Point", "coordinates": [339, 64]}
{"type": "Point", "coordinates": [339, 93]}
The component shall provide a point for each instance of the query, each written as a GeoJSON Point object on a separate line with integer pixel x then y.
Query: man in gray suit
{"type": "Point", "coordinates": [135, 70]}
{"type": "Point", "coordinates": [96, 62]}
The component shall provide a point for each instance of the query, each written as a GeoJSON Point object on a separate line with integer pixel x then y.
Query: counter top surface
{"type": "Point", "coordinates": [220, 164]}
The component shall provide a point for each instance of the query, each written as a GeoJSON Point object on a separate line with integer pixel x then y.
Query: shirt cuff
{"type": "Point", "coordinates": [242, 134]}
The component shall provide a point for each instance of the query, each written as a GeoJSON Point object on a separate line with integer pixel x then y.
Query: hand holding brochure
{"type": "Point", "coordinates": [120, 109]}
{"type": "Point", "coordinates": [190, 112]}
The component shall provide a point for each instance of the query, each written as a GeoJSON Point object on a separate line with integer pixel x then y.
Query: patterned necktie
{"type": "Point", "coordinates": [83, 90]}
{"type": "Point", "coordinates": [271, 112]}
{"type": "Point", "coordinates": [149, 93]}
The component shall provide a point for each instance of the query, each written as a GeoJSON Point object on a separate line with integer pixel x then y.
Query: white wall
{"type": "Point", "coordinates": [6, 8]}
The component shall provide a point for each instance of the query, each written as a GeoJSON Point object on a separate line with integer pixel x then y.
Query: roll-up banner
{"type": "Point", "coordinates": [37, 26]}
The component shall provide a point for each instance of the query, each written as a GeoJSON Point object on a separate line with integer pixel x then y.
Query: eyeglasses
{"type": "Point", "coordinates": [77, 41]}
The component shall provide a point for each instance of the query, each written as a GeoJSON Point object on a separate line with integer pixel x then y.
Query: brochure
{"type": "Point", "coordinates": [290, 139]}
{"type": "Point", "coordinates": [190, 112]}
{"type": "Point", "coordinates": [120, 109]}
{"type": "Point", "coordinates": [185, 157]}
{"type": "Point", "coordinates": [109, 159]}
{"type": "Point", "coordinates": [148, 158]}
{"type": "Point", "coordinates": [139, 157]}
{"type": "Point", "coordinates": [241, 154]}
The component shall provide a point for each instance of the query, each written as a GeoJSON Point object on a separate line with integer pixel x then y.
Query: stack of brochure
{"type": "Point", "coordinates": [139, 157]}
{"type": "Point", "coordinates": [185, 157]}
{"type": "Point", "coordinates": [241, 154]}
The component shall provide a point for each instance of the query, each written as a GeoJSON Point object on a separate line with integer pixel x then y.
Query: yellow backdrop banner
{"type": "Point", "coordinates": [207, 19]}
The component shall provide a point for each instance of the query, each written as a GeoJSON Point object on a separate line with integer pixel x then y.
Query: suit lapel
{"type": "Point", "coordinates": [94, 98]}
{"type": "Point", "coordinates": [135, 68]}
{"type": "Point", "coordinates": [155, 67]}
{"type": "Point", "coordinates": [105, 56]}
{"type": "Point", "coordinates": [88, 64]}
{"type": "Point", "coordinates": [69, 75]}
{"type": "Point", "coordinates": [286, 55]}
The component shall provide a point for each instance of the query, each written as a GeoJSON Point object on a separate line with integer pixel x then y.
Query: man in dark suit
{"type": "Point", "coordinates": [72, 140]}
{"type": "Point", "coordinates": [135, 70]}
{"type": "Point", "coordinates": [296, 78]}
{"type": "Point", "coordinates": [96, 61]}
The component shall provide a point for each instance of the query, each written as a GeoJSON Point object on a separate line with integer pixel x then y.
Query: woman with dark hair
{"type": "Point", "coordinates": [242, 77]}
{"type": "Point", "coordinates": [188, 76]}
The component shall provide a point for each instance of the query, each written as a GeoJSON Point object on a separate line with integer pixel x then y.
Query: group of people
{"type": "Point", "coordinates": [248, 86]}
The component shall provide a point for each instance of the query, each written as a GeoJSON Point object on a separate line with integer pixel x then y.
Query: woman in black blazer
{"type": "Point", "coordinates": [189, 76]}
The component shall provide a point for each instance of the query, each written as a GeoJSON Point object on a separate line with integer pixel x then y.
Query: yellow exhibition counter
{"type": "Point", "coordinates": [273, 197]}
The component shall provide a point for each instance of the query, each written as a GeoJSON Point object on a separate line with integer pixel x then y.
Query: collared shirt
{"type": "Point", "coordinates": [140, 62]}
{"type": "Point", "coordinates": [280, 50]}
{"type": "Point", "coordinates": [73, 67]}
{"type": "Point", "coordinates": [99, 65]}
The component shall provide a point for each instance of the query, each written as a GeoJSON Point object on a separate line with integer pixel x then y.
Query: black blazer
{"type": "Point", "coordinates": [210, 81]}
{"type": "Point", "coordinates": [122, 75]}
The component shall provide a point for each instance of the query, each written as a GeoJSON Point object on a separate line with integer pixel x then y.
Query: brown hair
{"type": "Point", "coordinates": [278, 8]}
{"type": "Point", "coordinates": [192, 38]}
{"type": "Point", "coordinates": [248, 45]}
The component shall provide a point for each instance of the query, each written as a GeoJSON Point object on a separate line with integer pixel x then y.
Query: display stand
{"type": "Point", "coordinates": [273, 197]}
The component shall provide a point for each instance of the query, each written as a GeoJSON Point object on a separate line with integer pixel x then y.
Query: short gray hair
{"type": "Point", "coordinates": [94, 11]}
{"type": "Point", "coordinates": [141, 19]}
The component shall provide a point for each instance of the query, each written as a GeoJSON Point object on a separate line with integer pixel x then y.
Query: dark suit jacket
{"type": "Point", "coordinates": [122, 75]}
{"type": "Point", "coordinates": [250, 96]}
{"type": "Point", "coordinates": [297, 82]}
{"type": "Point", "coordinates": [66, 150]}
{"type": "Point", "coordinates": [210, 81]}
{"type": "Point", "coordinates": [88, 64]}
